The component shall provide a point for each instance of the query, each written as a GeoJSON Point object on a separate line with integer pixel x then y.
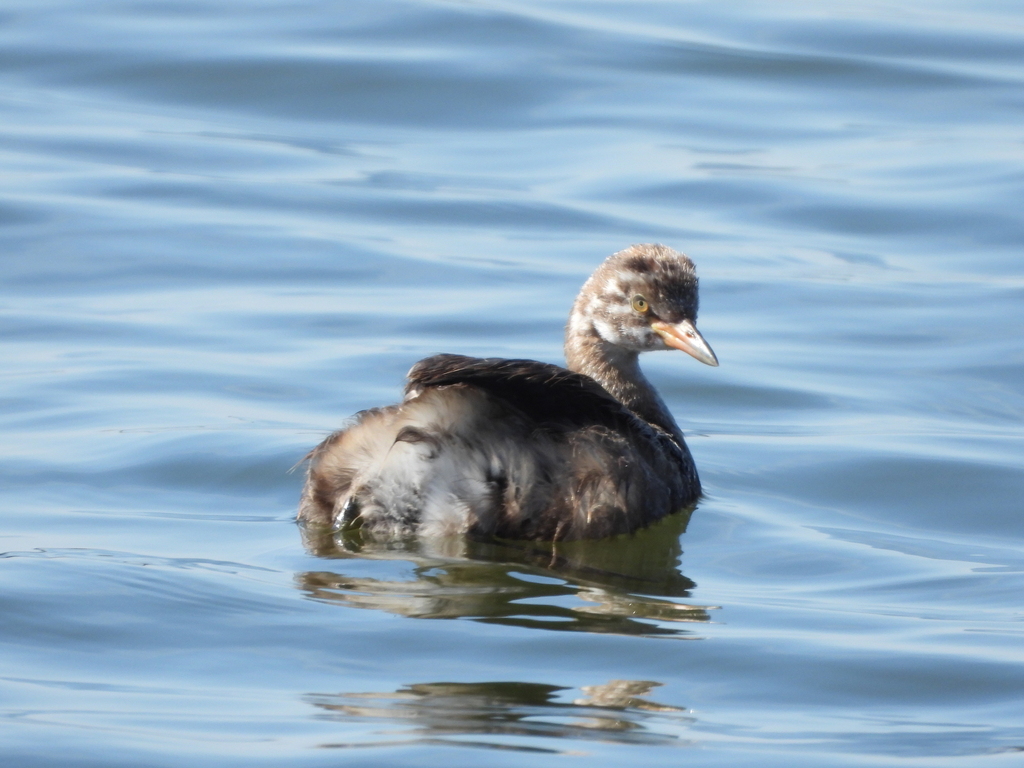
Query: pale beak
{"type": "Point", "coordinates": [686, 337]}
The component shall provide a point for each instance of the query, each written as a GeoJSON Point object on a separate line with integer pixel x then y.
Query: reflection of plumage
{"type": "Point", "coordinates": [616, 712]}
{"type": "Point", "coordinates": [625, 585]}
{"type": "Point", "coordinates": [521, 449]}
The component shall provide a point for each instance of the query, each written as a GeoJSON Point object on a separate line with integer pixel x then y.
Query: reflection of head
{"type": "Point", "coordinates": [619, 583]}
{"type": "Point", "coordinates": [504, 714]}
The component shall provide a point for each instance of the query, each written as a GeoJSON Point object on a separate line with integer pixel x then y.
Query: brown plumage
{"type": "Point", "coordinates": [527, 450]}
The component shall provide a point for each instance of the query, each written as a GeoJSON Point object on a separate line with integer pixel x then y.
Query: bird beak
{"type": "Point", "coordinates": [686, 337]}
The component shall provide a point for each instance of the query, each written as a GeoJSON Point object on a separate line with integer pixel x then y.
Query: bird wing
{"type": "Point", "coordinates": [616, 460]}
{"type": "Point", "coordinates": [544, 392]}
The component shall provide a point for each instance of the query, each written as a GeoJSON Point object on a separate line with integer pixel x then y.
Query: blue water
{"type": "Point", "coordinates": [225, 226]}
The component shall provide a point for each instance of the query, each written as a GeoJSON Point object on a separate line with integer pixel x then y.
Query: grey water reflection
{"type": "Point", "coordinates": [490, 712]}
{"type": "Point", "coordinates": [625, 585]}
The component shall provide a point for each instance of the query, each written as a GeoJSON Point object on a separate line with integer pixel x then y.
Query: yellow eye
{"type": "Point", "coordinates": [640, 303]}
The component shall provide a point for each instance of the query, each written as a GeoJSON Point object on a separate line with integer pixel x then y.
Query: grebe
{"type": "Point", "coordinates": [520, 449]}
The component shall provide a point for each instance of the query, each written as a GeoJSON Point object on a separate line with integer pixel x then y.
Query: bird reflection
{"type": "Point", "coordinates": [621, 585]}
{"type": "Point", "coordinates": [615, 712]}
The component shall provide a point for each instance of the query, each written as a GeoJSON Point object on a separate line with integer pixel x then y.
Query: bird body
{"type": "Point", "coordinates": [526, 450]}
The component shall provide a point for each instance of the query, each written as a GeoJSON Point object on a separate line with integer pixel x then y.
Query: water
{"type": "Point", "coordinates": [227, 226]}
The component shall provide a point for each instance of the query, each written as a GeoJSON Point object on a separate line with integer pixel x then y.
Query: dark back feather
{"type": "Point", "coordinates": [551, 396]}
{"type": "Point", "coordinates": [545, 393]}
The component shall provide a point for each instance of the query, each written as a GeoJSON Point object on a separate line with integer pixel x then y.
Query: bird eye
{"type": "Point", "coordinates": [640, 303]}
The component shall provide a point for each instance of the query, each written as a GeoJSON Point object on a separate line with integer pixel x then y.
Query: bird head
{"type": "Point", "coordinates": [644, 299]}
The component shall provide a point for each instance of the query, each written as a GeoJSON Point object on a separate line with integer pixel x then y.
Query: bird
{"type": "Point", "coordinates": [519, 449]}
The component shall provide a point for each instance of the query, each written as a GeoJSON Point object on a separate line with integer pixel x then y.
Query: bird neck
{"type": "Point", "coordinates": [618, 371]}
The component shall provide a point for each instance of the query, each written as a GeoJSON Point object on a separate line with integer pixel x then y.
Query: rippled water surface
{"type": "Point", "coordinates": [225, 226]}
